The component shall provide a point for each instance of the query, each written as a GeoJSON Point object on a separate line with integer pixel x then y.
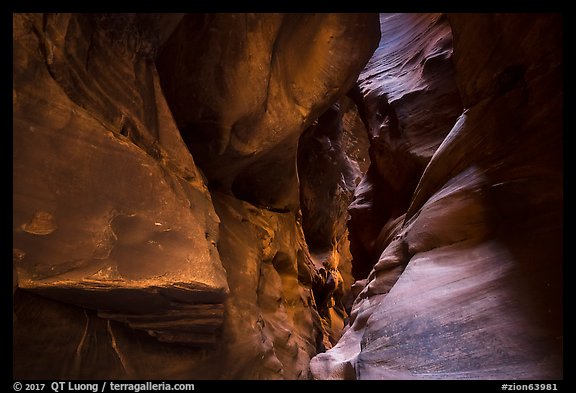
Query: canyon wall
{"type": "Point", "coordinates": [130, 261]}
{"type": "Point", "coordinates": [280, 196]}
{"type": "Point", "coordinates": [468, 280]}
{"type": "Point", "coordinates": [409, 100]}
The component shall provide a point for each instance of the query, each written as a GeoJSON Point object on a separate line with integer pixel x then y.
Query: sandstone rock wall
{"type": "Point", "coordinates": [409, 100]}
{"type": "Point", "coordinates": [110, 211]}
{"type": "Point", "coordinates": [469, 284]}
{"type": "Point", "coordinates": [263, 79]}
{"type": "Point", "coordinates": [133, 258]}
{"type": "Point", "coordinates": [332, 158]}
{"type": "Point", "coordinates": [125, 264]}
{"type": "Point", "coordinates": [255, 112]}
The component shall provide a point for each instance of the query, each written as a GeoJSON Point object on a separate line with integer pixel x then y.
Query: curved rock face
{"type": "Point", "coordinates": [263, 79]}
{"type": "Point", "coordinates": [116, 237]}
{"type": "Point", "coordinates": [129, 261]}
{"type": "Point", "coordinates": [110, 212]}
{"type": "Point", "coordinates": [243, 122]}
{"type": "Point", "coordinates": [409, 100]}
{"type": "Point", "coordinates": [479, 251]}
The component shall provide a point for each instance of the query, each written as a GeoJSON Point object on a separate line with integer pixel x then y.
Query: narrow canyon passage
{"type": "Point", "coordinates": [287, 196]}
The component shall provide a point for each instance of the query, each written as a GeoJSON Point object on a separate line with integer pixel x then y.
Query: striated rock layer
{"type": "Point", "coordinates": [469, 284]}
{"type": "Point", "coordinates": [129, 261]}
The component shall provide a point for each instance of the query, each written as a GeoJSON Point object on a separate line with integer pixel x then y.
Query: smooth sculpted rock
{"type": "Point", "coordinates": [408, 98]}
{"type": "Point", "coordinates": [262, 80]}
{"type": "Point", "coordinates": [479, 252]}
{"type": "Point", "coordinates": [255, 114]}
{"type": "Point", "coordinates": [122, 268]}
{"type": "Point", "coordinates": [109, 210]}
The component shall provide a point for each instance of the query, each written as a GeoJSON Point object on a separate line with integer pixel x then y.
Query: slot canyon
{"type": "Point", "coordinates": [287, 196]}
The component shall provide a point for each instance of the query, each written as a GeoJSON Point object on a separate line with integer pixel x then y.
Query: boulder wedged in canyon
{"type": "Point", "coordinates": [243, 107]}
{"type": "Point", "coordinates": [479, 250]}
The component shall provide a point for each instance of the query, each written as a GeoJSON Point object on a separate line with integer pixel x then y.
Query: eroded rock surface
{"type": "Point", "coordinates": [409, 100]}
{"type": "Point", "coordinates": [129, 262]}
{"type": "Point", "coordinates": [110, 212]}
{"type": "Point", "coordinates": [263, 79]}
{"type": "Point", "coordinates": [332, 157]}
{"type": "Point", "coordinates": [242, 111]}
{"type": "Point", "coordinates": [272, 325]}
{"type": "Point", "coordinates": [479, 251]}
{"type": "Point", "coordinates": [116, 238]}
